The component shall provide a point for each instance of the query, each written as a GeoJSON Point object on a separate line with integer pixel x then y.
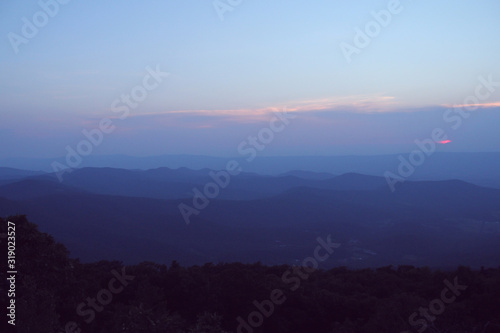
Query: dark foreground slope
{"type": "Point", "coordinates": [55, 293]}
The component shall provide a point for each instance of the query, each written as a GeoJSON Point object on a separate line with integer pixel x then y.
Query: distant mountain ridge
{"type": "Point", "coordinates": [479, 168]}
{"type": "Point", "coordinates": [9, 174]}
{"type": "Point", "coordinates": [99, 212]}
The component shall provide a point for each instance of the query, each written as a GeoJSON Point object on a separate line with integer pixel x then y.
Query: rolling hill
{"type": "Point", "coordinates": [133, 215]}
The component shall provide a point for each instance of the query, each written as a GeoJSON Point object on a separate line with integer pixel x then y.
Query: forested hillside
{"type": "Point", "coordinates": [56, 293]}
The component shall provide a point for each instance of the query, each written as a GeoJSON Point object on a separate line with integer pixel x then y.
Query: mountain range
{"type": "Point", "coordinates": [133, 215]}
{"type": "Point", "coordinates": [478, 168]}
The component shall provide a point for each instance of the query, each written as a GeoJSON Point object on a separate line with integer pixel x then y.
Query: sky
{"type": "Point", "coordinates": [358, 77]}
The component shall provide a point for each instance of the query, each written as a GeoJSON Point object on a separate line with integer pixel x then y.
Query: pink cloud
{"type": "Point", "coordinates": [479, 105]}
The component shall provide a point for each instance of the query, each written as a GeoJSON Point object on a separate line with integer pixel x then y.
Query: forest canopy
{"type": "Point", "coordinates": [57, 293]}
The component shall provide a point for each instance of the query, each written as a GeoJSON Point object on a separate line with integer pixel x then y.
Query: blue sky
{"type": "Point", "coordinates": [227, 76]}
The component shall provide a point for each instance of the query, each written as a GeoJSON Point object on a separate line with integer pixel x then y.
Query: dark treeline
{"type": "Point", "coordinates": [55, 293]}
